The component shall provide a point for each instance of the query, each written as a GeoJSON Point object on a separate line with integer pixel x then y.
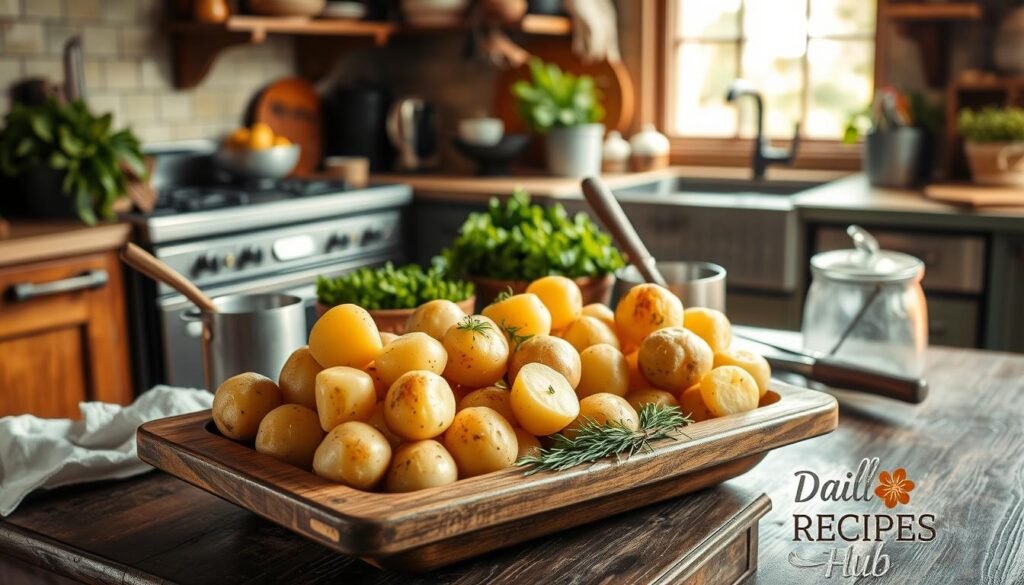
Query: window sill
{"type": "Point", "coordinates": [724, 152]}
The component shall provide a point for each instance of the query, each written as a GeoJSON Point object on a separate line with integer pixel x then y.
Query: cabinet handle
{"type": "Point", "coordinates": [85, 281]}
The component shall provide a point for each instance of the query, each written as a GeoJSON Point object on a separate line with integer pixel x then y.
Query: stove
{"type": "Point", "coordinates": [233, 237]}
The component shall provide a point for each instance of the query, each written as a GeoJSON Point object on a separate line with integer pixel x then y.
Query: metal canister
{"type": "Point", "coordinates": [698, 284]}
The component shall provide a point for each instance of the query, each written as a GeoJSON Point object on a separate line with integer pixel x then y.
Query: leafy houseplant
{"type": "Point", "coordinates": [515, 242]}
{"type": "Point", "coordinates": [391, 294]}
{"type": "Point", "coordinates": [567, 109]}
{"type": "Point", "coordinates": [994, 144]}
{"type": "Point", "coordinates": [71, 144]}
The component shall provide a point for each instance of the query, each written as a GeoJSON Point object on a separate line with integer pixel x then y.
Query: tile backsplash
{"type": "Point", "coordinates": [128, 67]}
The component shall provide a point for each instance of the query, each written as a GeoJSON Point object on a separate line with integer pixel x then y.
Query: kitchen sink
{"type": "Point", "coordinates": [708, 185]}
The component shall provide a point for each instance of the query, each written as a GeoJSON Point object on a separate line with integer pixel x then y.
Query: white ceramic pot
{"type": "Point", "coordinates": [1008, 50]}
{"type": "Point", "coordinates": [481, 131]}
{"type": "Point", "coordinates": [996, 163]}
{"type": "Point", "coordinates": [575, 151]}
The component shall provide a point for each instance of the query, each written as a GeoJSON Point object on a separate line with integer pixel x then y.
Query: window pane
{"type": "Point", "coordinates": [779, 23]}
{"type": "Point", "coordinates": [840, 84]}
{"type": "Point", "coordinates": [839, 17]}
{"type": "Point", "coordinates": [778, 75]}
{"type": "Point", "coordinates": [703, 19]}
{"type": "Point", "coordinates": [704, 72]}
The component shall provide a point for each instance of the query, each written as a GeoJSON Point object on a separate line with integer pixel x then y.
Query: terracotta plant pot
{"type": "Point", "coordinates": [996, 163]}
{"type": "Point", "coordinates": [393, 320]}
{"type": "Point", "coordinates": [595, 289]}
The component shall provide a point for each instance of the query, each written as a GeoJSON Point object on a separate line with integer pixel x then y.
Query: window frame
{"type": "Point", "coordinates": [657, 20]}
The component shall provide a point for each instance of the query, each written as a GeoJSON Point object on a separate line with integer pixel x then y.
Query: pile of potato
{"type": "Point", "coordinates": [462, 395]}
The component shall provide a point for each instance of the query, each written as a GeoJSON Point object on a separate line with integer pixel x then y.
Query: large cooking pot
{"type": "Point", "coordinates": [698, 284]}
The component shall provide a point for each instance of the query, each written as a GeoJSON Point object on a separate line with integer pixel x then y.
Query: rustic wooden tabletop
{"type": "Point", "coordinates": [963, 449]}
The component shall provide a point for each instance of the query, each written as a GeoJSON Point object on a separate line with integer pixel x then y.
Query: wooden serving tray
{"type": "Point", "coordinates": [431, 528]}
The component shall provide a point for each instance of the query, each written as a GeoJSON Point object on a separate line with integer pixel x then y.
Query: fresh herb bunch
{"type": "Point", "coordinates": [555, 98]}
{"type": "Point", "coordinates": [68, 137]}
{"type": "Point", "coordinates": [595, 441]}
{"type": "Point", "coordinates": [388, 287]}
{"type": "Point", "coordinates": [992, 124]}
{"type": "Point", "coordinates": [517, 240]}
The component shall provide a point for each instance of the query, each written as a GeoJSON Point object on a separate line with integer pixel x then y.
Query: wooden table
{"type": "Point", "coordinates": [963, 448]}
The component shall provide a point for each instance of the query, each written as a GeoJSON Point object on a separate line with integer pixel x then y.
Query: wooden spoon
{"type": "Point", "coordinates": [608, 210]}
{"type": "Point", "coordinates": [159, 271]}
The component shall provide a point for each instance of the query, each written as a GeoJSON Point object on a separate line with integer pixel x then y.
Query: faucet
{"type": "Point", "coordinates": [764, 153]}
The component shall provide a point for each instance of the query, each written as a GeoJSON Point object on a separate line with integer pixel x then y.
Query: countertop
{"type": "Point", "coordinates": [963, 448]}
{"type": "Point", "coordinates": [31, 241]}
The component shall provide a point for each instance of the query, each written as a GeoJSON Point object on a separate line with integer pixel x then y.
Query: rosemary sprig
{"type": "Point", "coordinates": [512, 332]}
{"type": "Point", "coordinates": [595, 441]}
{"type": "Point", "coordinates": [474, 324]}
{"type": "Point", "coordinates": [506, 294]}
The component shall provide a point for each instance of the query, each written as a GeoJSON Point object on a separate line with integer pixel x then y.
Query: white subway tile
{"type": "Point", "coordinates": [23, 38]}
{"type": "Point", "coordinates": [175, 106]}
{"type": "Point", "coordinates": [121, 75]}
{"type": "Point", "coordinates": [44, 8]}
{"type": "Point", "coordinates": [83, 9]}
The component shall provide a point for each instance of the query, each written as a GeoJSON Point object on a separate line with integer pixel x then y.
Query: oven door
{"type": "Point", "coordinates": [182, 348]}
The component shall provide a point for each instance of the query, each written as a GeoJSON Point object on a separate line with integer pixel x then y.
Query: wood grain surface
{"type": "Point", "coordinates": [431, 528]}
{"type": "Point", "coordinates": [30, 241]}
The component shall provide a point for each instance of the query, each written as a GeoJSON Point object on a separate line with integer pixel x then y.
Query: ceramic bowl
{"type": "Point", "coordinates": [481, 131]}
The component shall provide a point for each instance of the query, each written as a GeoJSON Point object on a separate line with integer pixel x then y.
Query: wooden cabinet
{"type": "Point", "coordinates": [62, 335]}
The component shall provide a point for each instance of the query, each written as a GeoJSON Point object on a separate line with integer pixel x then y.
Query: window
{"type": "Point", "coordinates": [813, 60]}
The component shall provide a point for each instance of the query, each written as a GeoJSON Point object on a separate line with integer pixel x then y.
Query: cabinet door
{"type": "Point", "coordinates": [62, 336]}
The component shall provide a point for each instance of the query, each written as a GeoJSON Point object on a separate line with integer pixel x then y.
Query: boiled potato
{"type": "Point", "coordinates": [644, 309]}
{"type": "Point", "coordinates": [528, 444]}
{"type": "Point", "coordinates": [561, 296]}
{"type": "Point", "coordinates": [558, 354]}
{"type": "Point", "coordinates": [477, 352]}
{"type": "Point", "coordinates": [603, 409]}
{"type": "Point", "coordinates": [601, 312]}
{"type": "Point", "coordinates": [691, 403]}
{"type": "Point", "coordinates": [412, 351]}
{"type": "Point", "coordinates": [674, 359]}
{"type": "Point", "coordinates": [387, 337]}
{"type": "Point", "coordinates": [753, 363]}
{"type": "Point", "coordinates": [241, 402]}
{"type": "Point", "coordinates": [520, 315]}
{"type": "Point", "coordinates": [543, 400]}
{"type": "Point", "coordinates": [291, 433]}
{"type": "Point", "coordinates": [298, 378]}
{"type": "Point", "coordinates": [481, 441]}
{"type": "Point", "coordinates": [586, 331]}
{"type": "Point", "coordinates": [378, 381]}
{"type": "Point", "coordinates": [497, 399]}
{"type": "Point", "coordinates": [434, 318]}
{"type": "Point", "coordinates": [353, 453]}
{"type": "Point", "coordinates": [420, 465]}
{"type": "Point", "coordinates": [377, 421]}
{"type": "Point", "coordinates": [604, 369]}
{"type": "Point", "coordinates": [345, 336]}
{"type": "Point", "coordinates": [636, 379]}
{"type": "Point", "coordinates": [344, 394]}
{"type": "Point", "coordinates": [419, 405]}
{"type": "Point", "coordinates": [638, 398]}
{"type": "Point", "coordinates": [728, 390]}
{"type": "Point", "coordinates": [711, 325]}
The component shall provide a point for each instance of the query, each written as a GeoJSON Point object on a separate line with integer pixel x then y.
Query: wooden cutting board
{"type": "Point", "coordinates": [976, 195]}
{"type": "Point", "coordinates": [291, 107]}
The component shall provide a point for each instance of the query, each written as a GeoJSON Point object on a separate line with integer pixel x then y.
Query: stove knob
{"type": "Point", "coordinates": [339, 241]}
{"type": "Point", "coordinates": [372, 234]}
{"type": "Point", "coordinates": [250, 255]}
{"type": "Point", "coordinates": [206, 263]}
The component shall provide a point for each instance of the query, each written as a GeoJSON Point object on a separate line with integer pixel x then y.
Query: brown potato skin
{"type": "Point", "coordinates": [353, 453]}
{"type": "Point", "coordinates": [290, 433]}
{"type": "Point", "coordinates": [557, 354]}
{"type": "Point", "coordinates": [638, 398]}
{"type": "Point", "coordinates": [481, 441]}
{"type": "Point", "coordinates": [241, 402]}
{"type": "Point", "coordinates": [297, 379]}
{"type": "Point", "coordinates": [420, 465]}
{"type": "Point", "coordinates": [674, 358]}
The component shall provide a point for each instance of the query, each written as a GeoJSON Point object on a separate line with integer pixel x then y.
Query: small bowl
{"type": "Point", "coordinates": [481, 131]}
{"type": "Point", "coordinates": [275, 162]}
{"type": "Point", "coordinates": [496, 160]}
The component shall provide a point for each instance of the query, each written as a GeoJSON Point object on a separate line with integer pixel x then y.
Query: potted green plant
{"type": "Point", "coordinates": [566, 108]}
{"type": "Point", "coordinates": [66, 161]}
{"type": "Point", "coordinates": [391, 294]}
{"type": "Point", "coordinates": [515, 242]}
{"type": "Point", "coordinates": [994, 144]}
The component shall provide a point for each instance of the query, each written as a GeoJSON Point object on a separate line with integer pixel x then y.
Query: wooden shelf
{"type": "Point", "coordinates": [933, 11]}
{"type": "Point", "coordinates": [532, 24]}
{"type": "Point", "coordinates": [990, 83]}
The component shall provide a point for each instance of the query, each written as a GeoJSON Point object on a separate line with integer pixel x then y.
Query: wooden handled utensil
{"type": "Point", "coordinates": [159, 271]}
{"type": "Point", "coordinates": [608, 210]}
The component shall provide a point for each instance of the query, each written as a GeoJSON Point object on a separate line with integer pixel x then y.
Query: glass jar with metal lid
{"type": "Point", "coordinates": [865, 306]}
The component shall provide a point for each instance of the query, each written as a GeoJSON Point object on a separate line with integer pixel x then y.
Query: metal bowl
{"type": "Point", "coordinates": [268, 163]}
{"type": "Point", "coordinates": [698, 284]}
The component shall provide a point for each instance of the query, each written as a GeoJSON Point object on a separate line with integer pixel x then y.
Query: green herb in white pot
{"type": "Point", "coordinates": [994, 143]}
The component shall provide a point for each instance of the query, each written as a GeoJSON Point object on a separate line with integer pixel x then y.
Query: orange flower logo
{"type": "Point", "coordinates": [894, 488]}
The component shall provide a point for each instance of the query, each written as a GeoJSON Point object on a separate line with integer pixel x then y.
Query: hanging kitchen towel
{"type": "Point", "coordinates": [48, 453]}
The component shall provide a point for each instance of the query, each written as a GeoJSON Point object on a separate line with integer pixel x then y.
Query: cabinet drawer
{"type": "Point", "coordinates": [953, 263]}
{"type": "Point", "coordinates": [952, 322]}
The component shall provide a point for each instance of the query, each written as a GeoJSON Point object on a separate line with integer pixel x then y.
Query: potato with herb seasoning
{"type": "Point", "coordinates": [587, 331]}
{"type": "Point", "coordinates": [412, 351]}
{"type": "Point", "coordinates": [558, 354]}
{"type": "Point", "coordinates": [241, 402]}
{"type": "Point", "coordinates": [345, 336]}
{"type": "Point", "coordinates": [729, 390]}
{"type": "Point", "coordinates": [542, 400]}
{"type": "Point", "coordinates": [290, 433]}
{"type": "Point", "coordinates": [434, 318]}
{"type": "Point", "coordinates": [481, 441]}
{"type": "Point", "coordinates": [354, 454]}
{"type": "Point", "coordinates": [497, 399]}
{"type": "Point", "coordinates": [344, 394]}
{"type": "Point", "coordinates": [561, 296]}
{"type": "Point", "coordinates": [420, 465]}
{"type": "Point", "coordinates": [603, 369]}
{"type": "Point", "coordinates": [419, 405]}
{"type": "Point", "coordinates": [602, 409]}
{"type": "Point", "coordinates": [477, 352]}
{"type": "Point", "coordinates": [644, 309]}
{"type": "Point", "coordinates": [674, 359]}
{"type": "Point", "coordinates": [638, 398]}
{"type": "Point", "coordinates": [519, 316]}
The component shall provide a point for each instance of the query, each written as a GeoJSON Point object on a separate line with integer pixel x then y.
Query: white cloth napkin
{"type": "Point", "coordinates": [49, 453]}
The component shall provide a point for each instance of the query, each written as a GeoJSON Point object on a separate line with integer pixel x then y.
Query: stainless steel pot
{"type": "Point", "coordinates": [698, 284]}
{"type": "Point", "coordinates": [250, 333]}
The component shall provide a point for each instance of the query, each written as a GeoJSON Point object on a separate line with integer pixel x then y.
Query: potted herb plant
{"type": "Point", "coordinates": [994, 144]}
{"type": "Point", "coordinates": [63, 161]}
{"type": "Point", "coordinates": [515, 242]}
{"type": "Point", "coordinates": [565, 108]}
{"type": "Point", "coordinates": [391, 294]}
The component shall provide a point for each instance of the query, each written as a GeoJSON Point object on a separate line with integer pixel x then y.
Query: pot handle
{"type": "Point", "coordinates": [1003, 158]}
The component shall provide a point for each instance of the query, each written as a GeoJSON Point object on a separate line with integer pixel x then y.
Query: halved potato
{"type": "Point", "coordinates": [542, 400]}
